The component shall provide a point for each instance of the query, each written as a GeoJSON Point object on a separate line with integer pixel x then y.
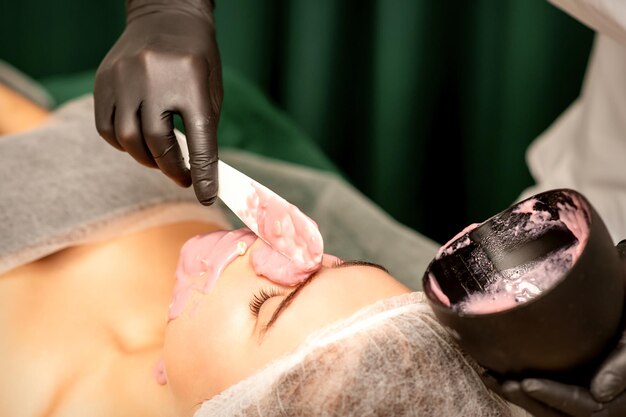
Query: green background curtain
{"type": "Point", "coordinates": [427, 106]}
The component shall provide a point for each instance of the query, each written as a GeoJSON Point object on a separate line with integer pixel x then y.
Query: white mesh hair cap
{"type": "Point", "coordinates": [389, 359]}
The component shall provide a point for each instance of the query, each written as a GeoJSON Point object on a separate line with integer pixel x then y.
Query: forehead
{"type": "Point", "coordinates": [346, 288]}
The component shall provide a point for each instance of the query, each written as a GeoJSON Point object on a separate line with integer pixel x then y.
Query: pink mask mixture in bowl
{"type": "Point", "coordinates": [505, 288]}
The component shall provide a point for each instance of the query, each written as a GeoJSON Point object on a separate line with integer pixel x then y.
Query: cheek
{"type": "Point", "coordinates": [185, 353]}
{"type": "Point", "coordinates": [202, 349]}
{"type": "Point", "coordinates": [193, 354]}
{"type": "Point", "coordinates": [282, 339]}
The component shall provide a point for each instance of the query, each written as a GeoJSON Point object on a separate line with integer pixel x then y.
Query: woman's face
{"type": "Point", "coordinates": [245, 321]}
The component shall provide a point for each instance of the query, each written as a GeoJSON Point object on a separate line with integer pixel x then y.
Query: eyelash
{"type": "Point", "coordinates": [261, 297]}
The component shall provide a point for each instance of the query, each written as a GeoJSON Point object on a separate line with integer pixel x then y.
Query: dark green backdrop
{"type": "Point", "coordinates": [426, 105]}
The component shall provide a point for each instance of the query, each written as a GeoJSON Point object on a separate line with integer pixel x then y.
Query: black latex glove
{"type": "Point", "coordinates": [166, 62]}
{"type": "Point", "coordinates": [545, 398]}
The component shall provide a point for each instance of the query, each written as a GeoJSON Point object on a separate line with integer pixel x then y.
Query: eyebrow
{"type": "Point", "coordinates": [292, 295]}
{"type": "Point", "coordinates": [360, 263]}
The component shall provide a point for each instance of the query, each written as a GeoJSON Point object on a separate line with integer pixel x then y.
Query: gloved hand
{"type": "Point", "coordinates": [606, 396]}
{"type": "Point", "coordinates": [166, 62]}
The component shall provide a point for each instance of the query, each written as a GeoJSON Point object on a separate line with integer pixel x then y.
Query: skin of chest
{"type": "Point", "coordinates": [84, 327]}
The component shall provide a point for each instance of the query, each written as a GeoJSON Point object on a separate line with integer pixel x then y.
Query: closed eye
{"type": "Point", "coordinates": [260, 297]}
{"type": "Point", "coordinates": [292, 295]}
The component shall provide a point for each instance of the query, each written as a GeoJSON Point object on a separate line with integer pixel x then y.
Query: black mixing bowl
{"type": "Point", "coordinates": [562, 332]}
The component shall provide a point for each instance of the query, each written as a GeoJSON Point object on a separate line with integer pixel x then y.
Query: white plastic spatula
{"type": "Point", "coordinates": [241, 194]}
{"type": "Point", "coordinates": [234, 187]}
{"type": "Point", "coordinates": [235, 190]}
